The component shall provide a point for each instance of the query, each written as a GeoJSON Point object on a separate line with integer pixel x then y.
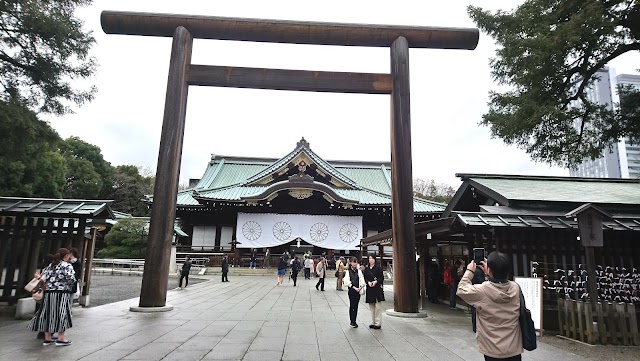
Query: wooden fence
{"type": "Point", "coordinates": [609, 323]}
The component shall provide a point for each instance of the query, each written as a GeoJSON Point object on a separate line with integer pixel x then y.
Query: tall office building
{"type": "Point", "coordinates": [622, 160]}
{"type": "Point", "coordinates": [630, 160]}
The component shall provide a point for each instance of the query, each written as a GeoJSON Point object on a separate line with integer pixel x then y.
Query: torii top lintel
{"type": "Point", "coordinates": [286, 31]}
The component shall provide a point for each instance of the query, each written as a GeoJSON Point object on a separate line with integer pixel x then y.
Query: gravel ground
{"type": "Point", "coordinates": [597, 352]}
{"type": "Point", "coordinates": [108, 289]}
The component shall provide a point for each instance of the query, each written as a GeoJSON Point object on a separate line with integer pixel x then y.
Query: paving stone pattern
{"type": "Point", "coordinates": [250, 318]}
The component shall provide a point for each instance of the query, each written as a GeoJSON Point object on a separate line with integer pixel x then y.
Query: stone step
{"type": "Point", "coordinates": [6, 310]}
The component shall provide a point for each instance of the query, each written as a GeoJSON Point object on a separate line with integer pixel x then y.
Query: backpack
{"type": "Point", "coordinates": [448, 280]}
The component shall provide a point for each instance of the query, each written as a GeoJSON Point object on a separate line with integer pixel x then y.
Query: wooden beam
{"type": "Point", "coordinates": [280, 79]}
{"type": "Point", "coordinates": [285, 31]}
{"type": "Point", "coordinates": [405, 281]}
{"type": "Point", "coordinates": [163, 213]}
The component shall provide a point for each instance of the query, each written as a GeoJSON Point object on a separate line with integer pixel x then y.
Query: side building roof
{"type": "Point", "coordinates": [540, 192]}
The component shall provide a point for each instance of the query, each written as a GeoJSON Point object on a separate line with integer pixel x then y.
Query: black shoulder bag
{"type": "Point", "coordinates": [529, 341]}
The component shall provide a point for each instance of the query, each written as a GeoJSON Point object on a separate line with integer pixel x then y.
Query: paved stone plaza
{"type": "Point", "coordinates": [250, 318]}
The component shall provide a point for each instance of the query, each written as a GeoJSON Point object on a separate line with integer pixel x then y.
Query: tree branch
{"type": "Point", "coordinates": [597, 66]}
{"type": "Point", "coordinates": [12, 61]}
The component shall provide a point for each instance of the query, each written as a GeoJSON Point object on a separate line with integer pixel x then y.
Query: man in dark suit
{"type": "Point", "coordinates": [225, 268]}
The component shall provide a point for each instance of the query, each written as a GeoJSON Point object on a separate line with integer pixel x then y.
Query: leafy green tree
{"type": "Point", "coordinates": [127, 239]}
{"type": "Point", "coordinates": [548, 54]}
{"type": "Point", "coordinates": [88, 175]}
{"type": "Point", "coordinates": [129, 189]}
{"type": "Point", "coordinates": [30, 164]}
{"type": "Point", "coordinates": [43, 53]}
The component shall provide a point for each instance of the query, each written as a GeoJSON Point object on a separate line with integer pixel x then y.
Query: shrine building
{"type": "Point", "coordinates": [297, 203]}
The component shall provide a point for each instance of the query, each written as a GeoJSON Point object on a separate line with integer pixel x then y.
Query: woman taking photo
{"type": "Point", "coordinates": [55, 313]}
{"type": "Point", "coordinates": [375, 294]}
{"type": "Point", "coordinates": [354, 280]}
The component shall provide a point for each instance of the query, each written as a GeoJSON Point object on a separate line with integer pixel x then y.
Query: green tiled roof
{"type": "Point", "coordinates": [231, 179]}
{"type": "Point", "coordinates": [303, 147]}
{"type": "Point", "coordinates": [560, 189]}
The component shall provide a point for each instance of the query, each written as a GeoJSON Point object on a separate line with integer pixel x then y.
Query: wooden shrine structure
{"type": "Point", "coordinates": [580, 235]}
{"type": "Point", "coordinates": [31, 228]}
{"type": "Point", "coordinates": [184, 28]}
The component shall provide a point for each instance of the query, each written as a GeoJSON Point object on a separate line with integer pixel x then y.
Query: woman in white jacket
{"type": "Point", "coordinates": [354, 280]}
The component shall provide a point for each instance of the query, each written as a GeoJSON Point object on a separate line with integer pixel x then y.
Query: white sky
{"type": "Point", "coordinates": [448, 92]}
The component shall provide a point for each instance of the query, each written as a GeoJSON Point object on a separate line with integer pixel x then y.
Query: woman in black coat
{"type": "Point", "coordinates": [374, 278]}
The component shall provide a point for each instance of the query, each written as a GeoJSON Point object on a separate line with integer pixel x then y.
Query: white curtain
{"type": "Point", "coordinates": [258, 230]}
{"type": "Point", "coordinates": [204, 237]}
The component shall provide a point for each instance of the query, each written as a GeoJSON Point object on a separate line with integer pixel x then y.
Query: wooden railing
{"type": "Point", "coordinates": [608, 323]}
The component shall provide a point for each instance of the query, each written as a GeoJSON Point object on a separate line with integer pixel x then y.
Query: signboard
{"type": "Point", "coordinates": [590, 228]}
{"type": "Point", "coordinates": [532, 291]}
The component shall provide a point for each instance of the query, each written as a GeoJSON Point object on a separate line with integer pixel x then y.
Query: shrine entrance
{"type": "Point", "coordinates": [184, 28]}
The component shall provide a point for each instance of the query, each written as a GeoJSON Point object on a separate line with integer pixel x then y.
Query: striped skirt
{"type": "Point", "coordinates": [54, 314]}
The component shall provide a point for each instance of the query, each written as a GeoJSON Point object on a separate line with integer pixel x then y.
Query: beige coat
{"type": "Point", "coordinates": [341, 268]}
{"type": "Point", "coordinates": [498, 311]}
{"type": "Point", "coordinates": [321, 269]}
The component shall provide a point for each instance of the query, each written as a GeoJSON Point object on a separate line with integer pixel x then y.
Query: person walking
{"type": "Point", "coordinates": [253, 259]}
{"type": "Point", "coordinates": [497, 304]}
{"type": "Point", "coordinates": [341, 267]}
{"type": "Point", "coordinates": [314, 270]}
{"type": "Point", "coordinates": [295, 267]}
{"type": "Point", "coordinates": [321, 271]}
{"type": "Point", "coordinates": [282, 269]}
{"type": "Point", "coordinates": [308, 263]}
{"type": "Point", "coordinates": [375, 293]}
{"type": "Point", "coordinates": [456, 272]}
{"type": "Point", "coordinates": [46, 262]}
{"type": "Point", "coordinates": [225, 268]}
{"type": "Point", "coordinates": [267, 254]}
{"type": "Point", "coordinates": [54, 316]}
{"type": "Point", "coordinates": [354, 280]}
{"type": "Point", "coordinates": [184, 273]}
{"type": "Point", "coordinates": [435, 277]}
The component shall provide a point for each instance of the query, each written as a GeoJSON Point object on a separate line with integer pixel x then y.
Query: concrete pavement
{"type": "Point", "coordinates": [250, 318]}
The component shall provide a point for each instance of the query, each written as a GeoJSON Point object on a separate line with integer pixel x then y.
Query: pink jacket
{"type": "Point", "coordinates": [498, 310]}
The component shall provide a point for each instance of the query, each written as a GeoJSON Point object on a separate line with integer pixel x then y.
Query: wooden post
{"type": "Point", "coordinates": [589, 309]}
{"type": "Point", "coordinates": [592, 283]}
{"type": "Point", "coordinates": [580, 326]}
{"type": "Point", "coordinates": [163, 211]}
{"type": "Point", "coordinates": [423, 277]}
{"type": "Point", "coordinates": [403, 229]}
{"type": "Point", "coordinates": [562, 318]}
{"type": "Point", "coordinates": [88, 266]}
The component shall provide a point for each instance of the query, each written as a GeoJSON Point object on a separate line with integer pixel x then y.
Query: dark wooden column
{"type": "Point", "coordinates": [404, 252]}
{"type": "Point", "coordinates": [89, 266]}
{"type": "Point", "coordinates": [422, 251]}
{"type": "Point", "coordinates": [163, 211]}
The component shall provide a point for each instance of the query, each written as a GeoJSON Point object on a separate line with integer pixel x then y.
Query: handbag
{"type": "Point", "coordinates": [529, 341]}
{"type": "Point", "coordinates": [38, 295]}
{"type": "Point", "coordinates": [337, 273]}
{"type": "Point", "coordinates": [32, 285]}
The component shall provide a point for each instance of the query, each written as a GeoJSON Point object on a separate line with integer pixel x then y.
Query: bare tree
{"type": "Point", "coordinates": [430, 190]}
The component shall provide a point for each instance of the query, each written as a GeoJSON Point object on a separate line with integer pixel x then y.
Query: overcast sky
{"type": "Point", "coordinates": [448, 92]}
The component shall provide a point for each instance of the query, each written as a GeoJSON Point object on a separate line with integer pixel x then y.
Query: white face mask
{"type": "Point", "coordinates": [73, 260]}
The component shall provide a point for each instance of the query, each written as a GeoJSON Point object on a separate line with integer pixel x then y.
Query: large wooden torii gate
{"type": "Point", "coordinates": [184, 28]}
